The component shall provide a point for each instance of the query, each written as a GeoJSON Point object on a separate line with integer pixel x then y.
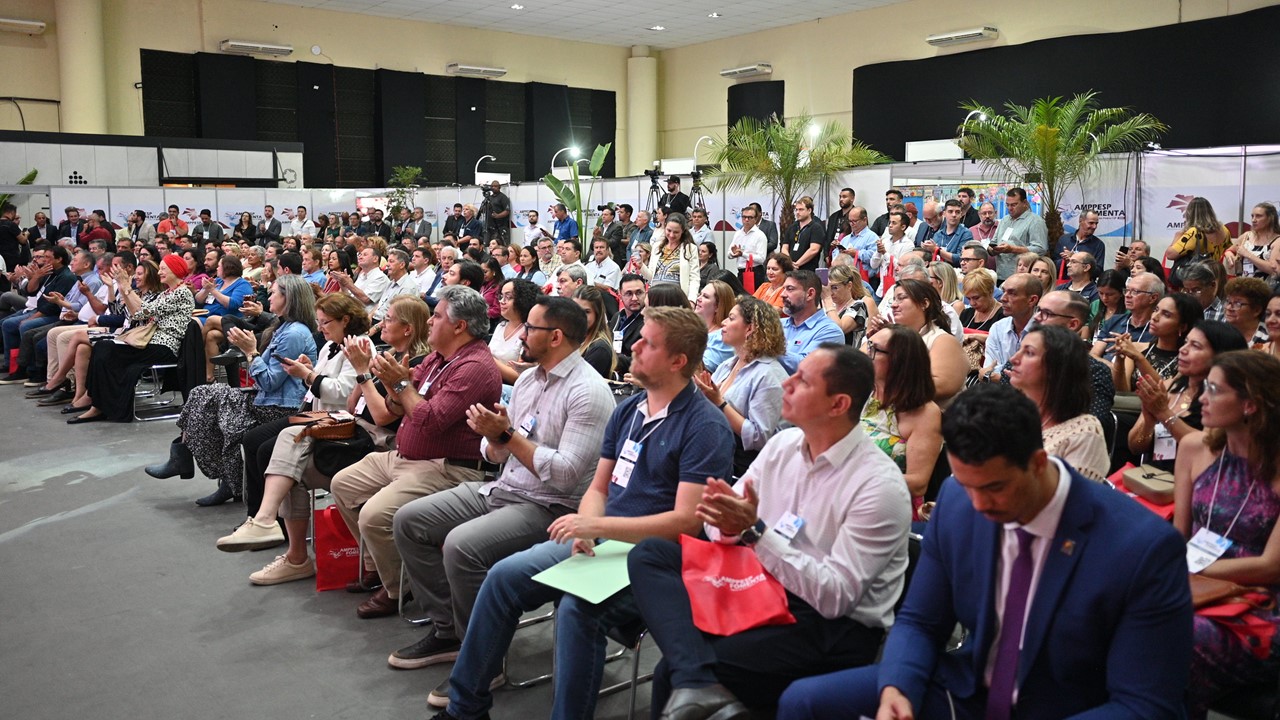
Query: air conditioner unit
{"type": "Point", "coordinates": [986, 32]}
{"type": "Point", "coordinates": [747, 71]}
{"type": "Point", "coordinates": [245, 47]}
{"type": "Point", "coordinates": [474, 70]}
{"type": "Point", "coordinates": [26, 27]}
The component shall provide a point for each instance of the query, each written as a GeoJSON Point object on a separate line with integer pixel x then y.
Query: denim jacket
{"type": "Point", "coordinates": [275, 386]}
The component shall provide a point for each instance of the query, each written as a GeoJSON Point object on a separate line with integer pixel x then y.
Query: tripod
{"type": "Point", "coordinates": [655, 195]}
{"type": "Point", "coordinates": [696, 199]}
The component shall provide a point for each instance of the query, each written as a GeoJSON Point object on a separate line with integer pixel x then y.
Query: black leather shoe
{"type": "Point", "coordinates": [713, 702]}
{"type": "Point", "coordinates": [81, 419]}
{"type": "Point", "coordinates": [230, 358]}
{"type": "Point", "coordinates": [58, 397]}
{"type": "Point", "coordinates": [180, 463]}
{"type": "Point", "coordinates": [73, 409]}
{"type": "Point", "coordinates": [41, 392]}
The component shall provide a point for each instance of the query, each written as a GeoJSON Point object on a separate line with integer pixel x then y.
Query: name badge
{"type": "Point", "coordinates": [1008, 234]}
{"type": "Point", "coordinates": [789, 526]}
{"type": "Point", "coordinates": [422, 390]}
{"type": "Point", "coordinates": [622, 473]}
{"type": "Point", "coordinates": [631, 450]}
{"type": "Point", "coordinates": [617, 341]}
{"type": "Point", "coordinates": [1204, 548]}
{"type": "Point", "coordinates": [312, 398]}
{"type": "Point", "coordinates": [1165, 447]}
{"type": "Point", "coordinates": [526, 427]}
{"type": "Point", "coordinates": [361, 405]}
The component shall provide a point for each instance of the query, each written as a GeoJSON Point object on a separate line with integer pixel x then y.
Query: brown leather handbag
{"type": "Point", "coordinates": [322, 425]}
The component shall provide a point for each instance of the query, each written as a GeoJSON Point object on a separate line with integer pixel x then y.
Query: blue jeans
{"type": "Point", "coordinates": [508, 592]}
{"type": "Point", "coordinates": [12, 328]}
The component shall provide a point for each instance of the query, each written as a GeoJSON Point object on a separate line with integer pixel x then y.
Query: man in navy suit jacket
{"type": "Point", "coordinates": [1107, 631]}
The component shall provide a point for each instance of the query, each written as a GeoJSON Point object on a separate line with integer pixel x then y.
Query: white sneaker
{"type": "Point", "coordinates": [282, 571]}
{"type": "Point", "coordinates": [252, 535]}
{"type": "Point", "coordinates": [439, 698]}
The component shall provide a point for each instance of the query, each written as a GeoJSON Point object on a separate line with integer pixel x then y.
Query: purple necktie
{"type": "Point", "coordinates": [1004, 675]}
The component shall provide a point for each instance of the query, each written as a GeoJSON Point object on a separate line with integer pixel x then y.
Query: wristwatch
{"type": "Point", "coordinates": [361, 378]}
{"type": "Point", "coordinates": [505, 437]}
{"type": "Point", "coordinates": [752, 535]}
{"type": "Point", "coordinates": [401, 386]}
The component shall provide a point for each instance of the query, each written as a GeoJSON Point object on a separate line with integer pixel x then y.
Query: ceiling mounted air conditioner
{"type": "Point", "coordinates": [246, 47]}
{"type": "Point", "coordinates": [747, 71]}
{"type": "Point", "coordinates": [474, 70]}
{"type": "Point", "coordinates": [986, 32]}
{"type": "Point", "coordinates": [26, 27]}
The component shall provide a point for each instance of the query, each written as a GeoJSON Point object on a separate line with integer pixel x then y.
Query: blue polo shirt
{"type": "Point", "coordinates": [804, 338]}
{"type": "Point", "coordinates": [689, 442]}
{"type": "Point", "coordinates": [864, 243]}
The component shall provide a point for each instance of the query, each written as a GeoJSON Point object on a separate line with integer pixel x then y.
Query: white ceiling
{"type": "Point", "coordinates": [606, 23]}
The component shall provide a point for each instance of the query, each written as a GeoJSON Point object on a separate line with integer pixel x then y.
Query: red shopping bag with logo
{"type": "Point", "coordinates": [729, 590]}
{"type": "Point", "coordinates": [749, 277]}
{"type": "Point", "coordinates": [337, 553]}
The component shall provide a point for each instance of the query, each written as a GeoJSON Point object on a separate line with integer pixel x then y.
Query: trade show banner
{"type": "Point", "coordinates": [191, 201]}
{"type": "Point", "coordinates": [233, 201]}
{"type": "Point", "coordinates": [125, 200]}
{"type": "Point", "coordinates": [1171, 181]}
{"type": "Point", "coordinates": [84, 199]}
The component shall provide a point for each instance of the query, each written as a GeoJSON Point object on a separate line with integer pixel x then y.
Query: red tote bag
{"type": "Point", "coordinates": [337, 553]}
{"type": "Point", "coordinates": [729, 590]}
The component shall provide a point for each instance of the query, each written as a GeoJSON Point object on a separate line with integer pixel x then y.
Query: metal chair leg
{"type": "Point", "coordinates": [400, 603]}
{"type": "Point", "coordinates": [547, 616]}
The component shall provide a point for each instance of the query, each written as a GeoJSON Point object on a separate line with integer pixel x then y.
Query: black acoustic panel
{"type": "Point", "coordinates": [504, 128]}
{"type": "Point", "coordinates": [169, 94]}
{"type": "Point", "coordinates": [355, 124]}
{"type": "Point", "coordinates": [400, 121]}
{"type": "Point", "coordinates": [316, 128]}
{"type": "Point", "coordinates": [276, 85]}
{"type": "Point", "coordinates": [469, 111]}
{"type": "Point", "coordinates": [604, 126]}
{"type": "Point", "coordinates": [1194, 74]}
{"type": "Point", "coordinates": [223, 97]}
{"type": "Point", "coordinates": [759, 100]}
{"type": "Point", "coordinates": [546, 127]}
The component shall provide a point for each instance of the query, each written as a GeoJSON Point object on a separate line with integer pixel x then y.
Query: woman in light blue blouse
{"type": "Point", "coordinates": [713, 305]}
{"type": "Point", "coordinates": [748, 386]}
{"type": "Point", "coordinates": [216, 416]}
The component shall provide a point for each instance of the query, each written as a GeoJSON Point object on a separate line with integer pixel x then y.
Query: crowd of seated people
{"type": "Point", "coordinates": [523, 403]}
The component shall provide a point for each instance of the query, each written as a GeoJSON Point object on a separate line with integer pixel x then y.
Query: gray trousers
{"type": "Point", "coordinates": [449, 540]}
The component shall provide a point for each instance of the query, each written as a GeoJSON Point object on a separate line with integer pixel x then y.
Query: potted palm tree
{"type": "Point", "coordinates": [1052, 143]}
{"type": "Point", "coordinates": [786, 159]}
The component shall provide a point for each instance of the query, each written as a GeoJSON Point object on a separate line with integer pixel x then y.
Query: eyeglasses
{"type": "Point", "coordinates": [873, 350]}
{"type": "Point", "coordinates": [1136, 291]}
{"type": "Point", "coordinates": [965, 260]}
{"type": "Point", "coordinates": [323, 323]}
{"type": "Point", "coordinates": [528, 327]}
{"type": "Point", "coordinates": [1235, 303]}
{"type": "Point", "coordinates": [1045, 314]}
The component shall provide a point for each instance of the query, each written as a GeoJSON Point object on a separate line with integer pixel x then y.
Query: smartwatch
{"type": "Point", "coordinates": [401, 386]}
{"type": "Point", "coordinates": [505, 437]}
{"type": "Point", "coordinates": [752, 535]}
{"type": "Point", "coordinates": [361, 379]}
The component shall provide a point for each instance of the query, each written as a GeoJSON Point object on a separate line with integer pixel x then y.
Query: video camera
{"type": "Point", "coordinates": [653, 176]}
{"type": "Point", "coordinates": [486, 191]}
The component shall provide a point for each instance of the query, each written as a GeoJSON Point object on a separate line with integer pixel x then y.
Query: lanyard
{"type": "Point", "coordinates": [1222, 461]}
{"type": "Point", "coordinates": [631, 432]}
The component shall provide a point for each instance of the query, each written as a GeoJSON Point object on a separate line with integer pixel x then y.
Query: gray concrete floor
{"type": "Point", "coordinates": [114, 602]}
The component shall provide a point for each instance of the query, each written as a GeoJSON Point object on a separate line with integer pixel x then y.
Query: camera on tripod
{"type": "Point", "coordinates": [602, 208]}
{"type": "Point", "coordinates": [653, 176]}
{"type": "Point", "coordinates": [486, 191]}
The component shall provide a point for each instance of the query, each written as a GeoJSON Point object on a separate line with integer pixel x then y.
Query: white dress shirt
{"type": "Point", "coordinates": [754, 246]}
{"type": "Point", "coordinates": [606, 272]}
{"type": "Point", "coordinates": [850, 556]}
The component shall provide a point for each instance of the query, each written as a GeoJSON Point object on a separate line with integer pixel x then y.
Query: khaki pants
{"type": "Point", "coordinates": [58, 339]}
{"type": "Point", "coordinates": [369, 493]}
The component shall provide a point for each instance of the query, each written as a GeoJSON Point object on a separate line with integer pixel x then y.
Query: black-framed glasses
{"type": "Point", "coordinates": [873, 350]}
{"type": "Point", "coordinates": [528, 327]}
{"type": "Point", "coordinates": [1045, 314]}
{"type": "Point", "coordinates": [965, 259]}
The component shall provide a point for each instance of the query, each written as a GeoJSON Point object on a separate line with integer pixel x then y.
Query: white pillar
{"type": "Point", "coordinates": [642, 110]}
{"type": "Point", "coordinates": [82, 70]}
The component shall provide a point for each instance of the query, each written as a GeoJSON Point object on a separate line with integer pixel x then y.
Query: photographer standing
{"type": "Point", "coordinates": [499, 213]}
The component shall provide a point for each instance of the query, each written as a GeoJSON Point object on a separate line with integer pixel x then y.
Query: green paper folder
{"type": "Point", "coordinates": [593, 579]}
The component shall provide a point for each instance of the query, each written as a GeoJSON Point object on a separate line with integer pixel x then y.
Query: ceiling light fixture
{"type": "Point", "coordinates": [657, 28]}
{"type": "Point", "coordinates": [715, 15]}
{"type": "Point", "coordinates": [517, 6]}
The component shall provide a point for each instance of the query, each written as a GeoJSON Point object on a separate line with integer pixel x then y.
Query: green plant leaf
{"type": "Point", "coordinates": [562, 192]}
{"type": "Point", "coordinates": [597, 158]}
